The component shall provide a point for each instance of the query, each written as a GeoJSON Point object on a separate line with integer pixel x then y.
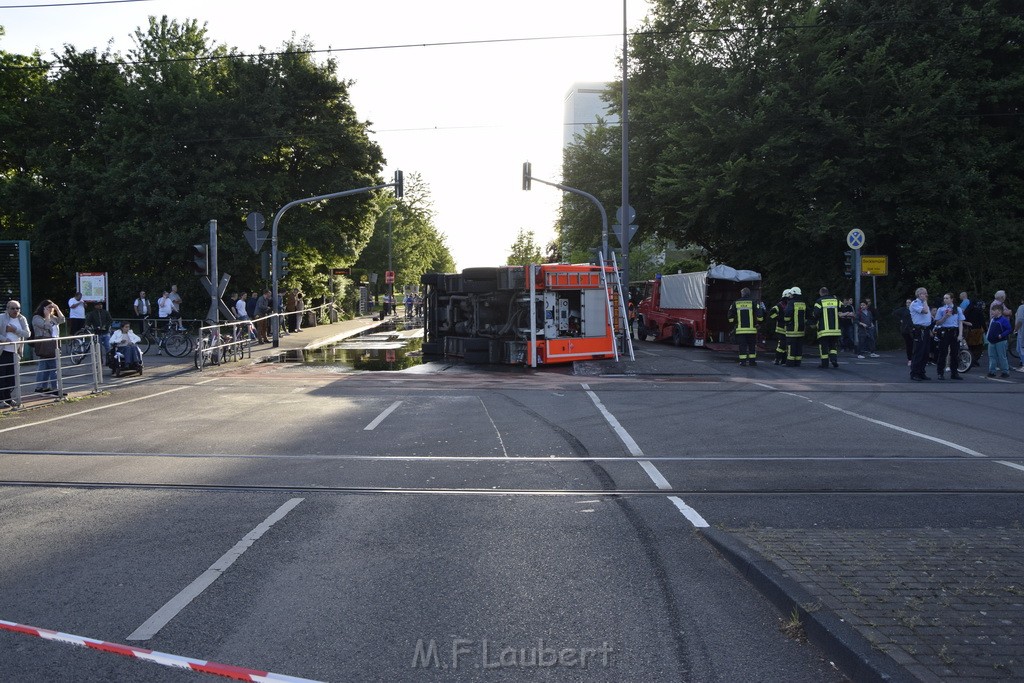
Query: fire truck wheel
{"type": "Point", "coordinates": [682, 336]}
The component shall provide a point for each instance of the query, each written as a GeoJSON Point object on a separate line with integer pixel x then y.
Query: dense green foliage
{"type": "Point", "coordinates": [117, 163]}
{"type": "Point", "coordinates": [763, 132]}
{"type": "Point", "coordinates": [416, 245]}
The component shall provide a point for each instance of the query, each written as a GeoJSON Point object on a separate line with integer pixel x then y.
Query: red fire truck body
{"type": "Point", "coordinates": [692, 309]}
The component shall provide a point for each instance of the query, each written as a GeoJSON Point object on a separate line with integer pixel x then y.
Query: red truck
{"type": "Point", "coordinates": [692, 309]}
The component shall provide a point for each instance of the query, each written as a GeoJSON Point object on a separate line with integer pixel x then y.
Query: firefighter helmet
{"type": "Point", "coordinates": [786, 293]}
{"type": "Point", "coordinates": [796, 291]}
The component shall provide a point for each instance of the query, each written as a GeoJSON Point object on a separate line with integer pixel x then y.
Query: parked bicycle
{"type": "Point", "coordinates": [80, 347]}
{"type": "Point", "coordinates": [173, 339]}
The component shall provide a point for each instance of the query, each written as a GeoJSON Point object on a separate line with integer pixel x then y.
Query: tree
{"type": "Point", "coordinates": [417, 246]}
{"type": "Point", "coordinates": [763, 133]}
{"type": "Point", "coordinates": [127, 159]}
{"type": "Point", "coordinates": [525, 250]}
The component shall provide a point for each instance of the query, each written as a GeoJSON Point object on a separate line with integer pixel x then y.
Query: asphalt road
{"type": "Point", "coordinates": [459, 523]}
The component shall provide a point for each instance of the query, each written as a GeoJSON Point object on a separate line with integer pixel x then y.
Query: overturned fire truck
{"type": "Point", "coordinates": [523, 315]}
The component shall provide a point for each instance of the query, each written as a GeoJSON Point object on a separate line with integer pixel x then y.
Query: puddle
{"type": "Point", "coordinates": [367, 352]}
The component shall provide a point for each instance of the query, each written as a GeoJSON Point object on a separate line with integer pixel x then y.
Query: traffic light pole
{"type": "Point", "coordinates": [527, 177]}
{"type": "Point", "coordinates": [399, 191]}
{"type": "Point", "coordinates": [214, 274]}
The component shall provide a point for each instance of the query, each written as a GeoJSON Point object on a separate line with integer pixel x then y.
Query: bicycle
{"type": "Point", "coordinates": [205, 353]}
{"type": "Point", "coordinates": [175, 341]}
{"type": "Point", "coordinates": [80, 347]}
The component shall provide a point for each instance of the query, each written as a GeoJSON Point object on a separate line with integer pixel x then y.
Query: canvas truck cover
{"type": "Point", "coordinates": [689, 290]}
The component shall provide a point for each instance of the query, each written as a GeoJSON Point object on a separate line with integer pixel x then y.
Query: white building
{"type": "Point", "coordinates": [583, 106]}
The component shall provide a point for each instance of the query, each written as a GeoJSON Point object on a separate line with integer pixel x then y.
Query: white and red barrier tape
{"type": "Point", "coordinates": [236, 672]}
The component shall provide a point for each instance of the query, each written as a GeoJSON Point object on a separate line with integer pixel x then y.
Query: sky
{"type": "Point", "coordinates": [465, 117]}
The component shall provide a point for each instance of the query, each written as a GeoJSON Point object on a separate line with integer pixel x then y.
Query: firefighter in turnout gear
{"type": "Point", "coordinates": [795, 316]}
{"type": "Point", "coordinates": [746, 315]}
{"type": "Point", "coordinates": [826, 316]}
{"type": "Point", "coordinates": [777, 314]}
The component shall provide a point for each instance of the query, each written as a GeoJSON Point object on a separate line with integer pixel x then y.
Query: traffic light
{"type": "Point", "coordinates": [527, 174]}
{"type": "Point", "coordinates": [848, 263]}
{"type": "Point", "coordinates": [200, 259]}
{"type": "Point", "coordinates": [281, 267]}
{"type": "Point", "coordinates": [399, 185]}
{"type": "Point", "coordinates": [264, 265]}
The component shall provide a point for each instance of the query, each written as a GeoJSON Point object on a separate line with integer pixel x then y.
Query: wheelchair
{"type": "Point", "coordinates": [118, 366]}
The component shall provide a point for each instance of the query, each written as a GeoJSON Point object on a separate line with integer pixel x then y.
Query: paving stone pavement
{"type": "Point", "coordinates": [944, 604]}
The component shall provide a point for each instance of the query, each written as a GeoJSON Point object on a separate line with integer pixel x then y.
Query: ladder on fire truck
{"type": "Point", "coordinates": [616, 293]}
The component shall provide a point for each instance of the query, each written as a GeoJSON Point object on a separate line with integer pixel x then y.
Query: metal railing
{"type": "Point", "coordinates": [77, 366]}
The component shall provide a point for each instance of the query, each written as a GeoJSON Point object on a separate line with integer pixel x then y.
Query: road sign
{"type": "Point", "coordinates": [389, 277]}
{"type": "Point", "coordinates": [341, 271]}
{"type": "Point", "coordinates": [874, 265]}
{"type": "Point", "coordinates": [855, 239]}
{"type": "Point", "coordinates": [618, 215]}
{"type": "Point", "coordinates": [618, 232]}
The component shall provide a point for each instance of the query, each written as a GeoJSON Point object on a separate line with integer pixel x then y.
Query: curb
{"type": "Point", "coordinates": [849, 650]}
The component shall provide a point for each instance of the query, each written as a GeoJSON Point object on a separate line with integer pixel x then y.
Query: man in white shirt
{"type": "Point", "coordinates": [76, 313]}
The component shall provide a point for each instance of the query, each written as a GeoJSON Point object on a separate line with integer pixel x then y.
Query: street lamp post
{"type": "Point", "coordinates": [391, 287]}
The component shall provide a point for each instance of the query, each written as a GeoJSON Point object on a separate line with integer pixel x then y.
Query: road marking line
{"type": "Point", "coordinates": [496, 431]}
{"type": "Point", "coordinates": [631, 445]}
{"type": "Point", "coordinates": [194, 589]}
{"type": "Point", "coordinates": [380, 418]}
{"type": "Point", "coordinates": [656, 476]}
{"type": "Point", "coordinates": [659, 480]}
{"type": "Point", "coordinates": [92, 410]}
{"type": "Point", "coordinates": [950, 444]}
{"type": "Point", "coordinates": [1011, 464]}
{"type": "Point", "coordinates": [766, 386]}
{"type": "Point", "coordinates": [688, 512]}
{"type": "Point", "coordinates": [788, 393]}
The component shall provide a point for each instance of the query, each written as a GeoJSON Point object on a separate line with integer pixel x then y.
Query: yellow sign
{"type": "Point", "coordinates": [874, 265]}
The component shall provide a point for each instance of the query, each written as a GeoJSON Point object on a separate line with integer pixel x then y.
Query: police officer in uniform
{"type": "Point", "coordinates": [921, 316]}
{"type": "Point", "coordinates": [795, 316]}
{"type": "Point", "coordinates": [826, 316]}
{"type": "Point", "coordinates": [777, 314]}
{"type": "Point", "coordinates": [746, 316]}
{"type": "Point", "coordinates": [949, 320]}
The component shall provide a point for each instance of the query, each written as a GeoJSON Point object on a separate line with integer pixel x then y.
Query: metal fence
{"type": "Point", "coordinates": [76, 367]}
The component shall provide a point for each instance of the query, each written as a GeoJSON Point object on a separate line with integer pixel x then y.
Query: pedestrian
{"type": "Point", "coordinates": [240, 310]}
{"type": "Point", "coordinates": [300, 306]}
{"type": "Point", "coordinates": [976, 327]}
{"type": "Point", "coordinates": [250, 304]}
{"type": "Point", "coordinates": [46, 327]}
{"type": "Point", "coordinates": [745, 315]}
{"type": "Point", "coordinates": [76, 314]}
{"type": "Point", "coordinates": [777, 314]}
{"type": "Point", "coordinates": [826, 316]}
{"type": "Point", "coordinates": [866, 331]}
{"type": "Point", "coordinates": [921, 317]}
{"type": "Point", "coordinates": [846, 316]}
{"type": "Point", "coordinates": [14, 329]}
{"type": "Point", "coordinates": [142, 306]}
{"type": "Point", "coordinates": [796, 322]}
{"type": "Point", "coordinates": [408, 305]}
{"type": "Point", "coordinates": [902, 314]}
{"type": "Point", "coordinates": [965, 302]}
{"type": "Point", "coordinates": [1018, 327]}
{"type": "Point", "coordinates": [949, 320]}
{"type": "Point", "coordinates": [175, 305]}
{"type": "Point", "coordinates": [125, 342]}
{"type": "Point", "coordinates": [262, 311]}
{"type": "Point", "coordinates": [998, 332]}
{"type": "Point", "coordinates": [289, 308]}
{"type": "Point", "coordinates": [99, 322]}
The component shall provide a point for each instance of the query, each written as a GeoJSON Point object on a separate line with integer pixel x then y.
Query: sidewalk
{"type": "Point", "coordinates": [309, 337]}
{"type": "Point", "coordinates": [896, 604]}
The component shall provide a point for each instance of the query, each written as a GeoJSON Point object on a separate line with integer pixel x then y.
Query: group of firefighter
{"type": "Point", "coordinates": [790, 316]}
